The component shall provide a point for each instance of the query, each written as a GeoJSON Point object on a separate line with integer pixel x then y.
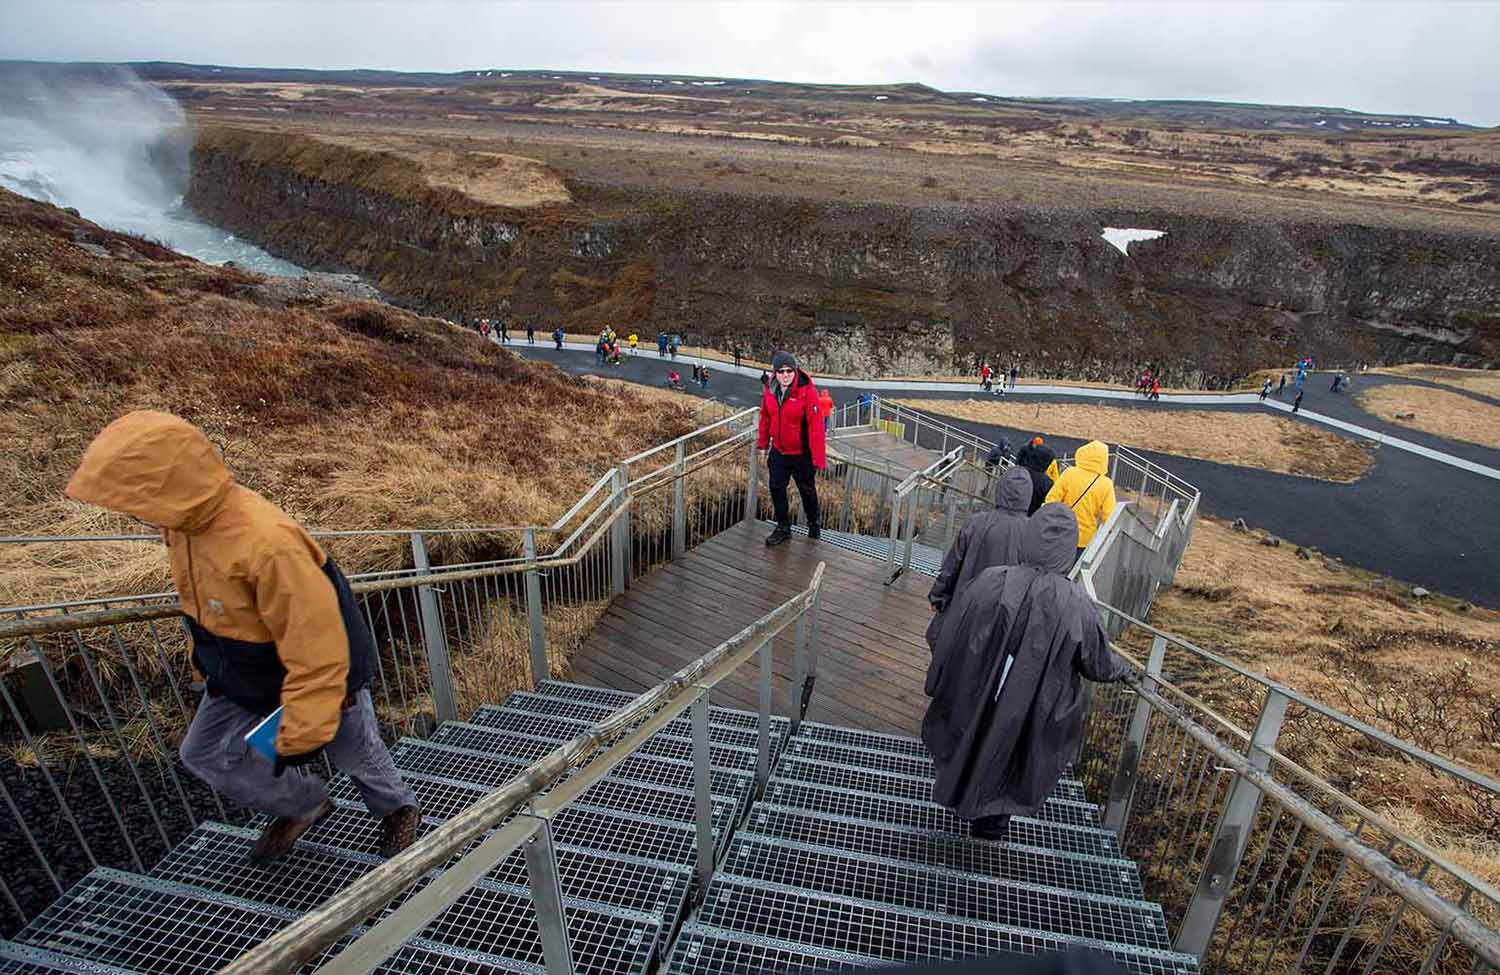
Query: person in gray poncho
{"type": "Point", "coordinates": [989, 538]}
{"type": "Point", "coordinates": [1006, 679]}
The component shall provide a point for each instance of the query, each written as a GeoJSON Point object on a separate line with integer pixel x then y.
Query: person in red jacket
{"type": "Point", "coordinates": [826, 402]}
{"type": "Point", "coordinates": [791, 427]}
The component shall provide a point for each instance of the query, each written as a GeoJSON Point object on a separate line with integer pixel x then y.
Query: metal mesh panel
{"type": "Point", "coordinates": [349, 827]}
{"type": "Point", "coordinates": [650, 800]}
{"type": "Point", "coordinates": [871, 740]}
{"type": "Point", "coordinates": [510, 744]}
{"type": "Point", "coordinates": [439, 799]}
{"type": "Point", "coordinates": [215, 858]}
{"type": "Point", "coordinates": [896, 935]}
{"type": "Point", "coordinates": [915, 790]}
{"type": "Point", "coordinates": [898, 763]}
{"type": "Point", "coordinates": [412, 755]}
{"type": "Point", "coordinates": [584, 692]}
{"type": "Point", "coordinates": [934, 818]}
{"type": "Point", "coordinates": [563, 727]}
{"type": "Point", "coordinates": [708, 951]}
{"type": "Point", "coordinates": [527, 701]}
{"type": "Point", "coordinates": [943, 892]}
{"type": "Point", "coordinates": [1114, 878]}
{"type": "Point", "coordinates": [504, 923]}
{"type": "Point", "coordinates": [27, 960]}
{"type": "Point", "coordinates": [679, 775]}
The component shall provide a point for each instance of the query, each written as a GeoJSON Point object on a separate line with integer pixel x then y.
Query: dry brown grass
{"type": "Point", "coordinates": [1435, 411]}
{"type": "Point", "coordinates": [1426, 670]}
{"type": "Point", "coordinates": [1486, 381]}
{"type": "Point", "coordinates": [1244, 439]}
{"type": "Point", "coordinates": [351, 415]}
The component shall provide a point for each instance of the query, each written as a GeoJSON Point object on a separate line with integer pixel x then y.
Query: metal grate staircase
{"type": "Point", "coordinates": [844, 862]}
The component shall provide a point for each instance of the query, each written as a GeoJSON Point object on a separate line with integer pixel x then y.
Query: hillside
{"type": "Point", "coordinates": [348, 413]}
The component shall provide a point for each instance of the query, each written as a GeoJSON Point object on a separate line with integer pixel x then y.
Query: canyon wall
{"type": "Point", "coordinates": [872, 288]}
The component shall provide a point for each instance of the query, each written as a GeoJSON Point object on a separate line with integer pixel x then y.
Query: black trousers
{"type": "Point", "coordinates": [798, 467]}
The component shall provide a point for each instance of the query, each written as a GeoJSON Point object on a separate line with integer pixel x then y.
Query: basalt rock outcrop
{"type": "Point", "coordinates": [874, 288]}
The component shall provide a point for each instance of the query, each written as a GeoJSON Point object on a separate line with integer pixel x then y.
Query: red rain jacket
{"type": "Point", "coordinates": [794, 426]}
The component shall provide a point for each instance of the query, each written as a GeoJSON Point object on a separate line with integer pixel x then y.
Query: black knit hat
{"type": "Point", "coordinates": [783, 358]}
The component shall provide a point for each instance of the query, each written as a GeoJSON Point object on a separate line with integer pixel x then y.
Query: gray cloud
{"type": "Point", "coordinates": [1419, 58]}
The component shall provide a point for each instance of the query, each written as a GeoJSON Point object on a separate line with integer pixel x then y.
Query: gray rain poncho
{"type": "Point", "coordinates": [1000, 736]}
{"type": "Point", "coordinates": [987, 539]}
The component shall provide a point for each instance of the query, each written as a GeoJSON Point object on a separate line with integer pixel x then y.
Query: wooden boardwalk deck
{"type": "Point", "coordinates": [873, 657]}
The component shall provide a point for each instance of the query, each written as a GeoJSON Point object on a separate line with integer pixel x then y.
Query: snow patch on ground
{"type": "Point", "coordinates": [882, 98]}
{"type": "Point", "coordinates": [1437, 121]}
{"type": "Point", "coordinates": [1122, 237]}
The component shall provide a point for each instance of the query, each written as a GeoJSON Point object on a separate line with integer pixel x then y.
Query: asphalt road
{"type": "Point", "coordinates": [1411, 518]}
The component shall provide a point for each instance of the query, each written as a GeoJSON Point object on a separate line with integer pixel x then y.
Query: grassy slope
{"type": "Point", "coordinates": [348, 414]}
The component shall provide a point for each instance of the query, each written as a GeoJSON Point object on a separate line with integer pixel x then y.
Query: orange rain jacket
{"type": "Point", "coordinates": [272, 618]}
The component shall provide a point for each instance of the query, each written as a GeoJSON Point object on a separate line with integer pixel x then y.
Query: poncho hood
{"type": "Point", "coordinates": [1051, 539]}
{"type": "Point", "coordinates": [1013, 493]}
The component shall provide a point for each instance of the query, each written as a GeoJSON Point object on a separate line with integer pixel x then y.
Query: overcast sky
{"type": "Point", "coordinates": [1430, 58]}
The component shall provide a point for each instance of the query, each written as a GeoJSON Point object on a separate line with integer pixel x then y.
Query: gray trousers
{"type": "Point", "coordinates": [215, 750]}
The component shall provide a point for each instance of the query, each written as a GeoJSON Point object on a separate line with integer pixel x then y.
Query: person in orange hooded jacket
{"type": "Point", "coordinates": [273, 624]}
{"type": "Point", "coordinates": [791, 428]}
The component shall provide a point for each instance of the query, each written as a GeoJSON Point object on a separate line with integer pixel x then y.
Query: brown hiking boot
{"type": "Point", "coordinates": [280, 833]}
{"type": "Point", "coordinates": [398, 830]}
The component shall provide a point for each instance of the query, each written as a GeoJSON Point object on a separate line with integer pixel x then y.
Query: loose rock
{"type": "Point", "coordinates": [1304, 554]}
{"type": "Point", "coordinates": [1239, 525]}
{"type": "Point", "coordinates": [1270, 541]}
{"type": "Point", "coordinates": [1419, 592]}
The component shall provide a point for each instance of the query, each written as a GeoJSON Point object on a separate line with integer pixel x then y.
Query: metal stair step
{"type": "Point", "coordinates": [350, 827]}
{"type": "Point", "coordinates": [215, 857]}
{"type": "Point", "coordinates": [569, 708]}
{"type": "Point", "coordinates": [443, 798]}
{"type": "Point", "coordinates": [593, 694]}
{"type": "Point", "coordinates": [869, 740]}
{"type": "Point", "coordinates": [490, 770]}
{"type": "Point", "coordinates": [157, 927]}
{"type": "Point", "coordinates": [941, 891]}
{"type": "Point", "coordinates": [930, 817]}
{"type": "Point", "coordinates": [27, 960]}
{"type": "Point", "coordinates": [896, 844]}
{"type": "Point", "coordinates": [562, 728]}
{"type": "Point", "coordinates": [913, 766]}
{"type": "Point", "coordinates": [885, 784]}
{"type": "Point", "coordinates": [530, 747]}
{"type": "Point", "coordinates": [704, 950]}
{"type": "Point", "coordinates": [891, 934]}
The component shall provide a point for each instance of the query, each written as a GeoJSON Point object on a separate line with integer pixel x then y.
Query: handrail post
{"type": "Point", "coordinates": [844, 524]}
{"type": "Point", "coordinates": [540, 669]}
{"type": "Point", "coordinates": [1232, 835]}
{"type": "Point", "coordinates": [752, 484]}
{"type": "Point", "coordinates": [679, 506]}
{"type": "Point", "coordinates": [1117, 813]}
{"type": "Point", "coordinates": [703, 791]}
{"type": "Point", "coordinates": [914, 498]}
{"type": "Point", "coordinates": [546, 898]}
{"type": "Point", "coordinates": [896, 501]}
{"type": "Point", "coordinates": [800, 688]}
{"type": "Point", "coordinates": [763, 727]}
{"type": "Point", "coordinates": [434, 639]}
{"type": "Point", "coordinates": [619, 555]}
{"type": "Point", "coordinates": [950, 516]}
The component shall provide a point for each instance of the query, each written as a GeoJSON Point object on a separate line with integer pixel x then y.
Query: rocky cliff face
{"type": "Point", "coordinates": [886, 289]}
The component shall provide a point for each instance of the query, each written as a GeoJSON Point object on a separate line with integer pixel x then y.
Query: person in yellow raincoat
{"type": "Point", "coordinates": [273, 623]}
{"type": "Point", "coordinates": [1086, 488]}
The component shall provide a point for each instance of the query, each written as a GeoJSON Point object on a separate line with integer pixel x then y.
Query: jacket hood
{"type": "Point", "coordinates": [1013, 493]}
{"type": "Point", "coordinates": [1036, 457]}
{"type": "Point", "coordinates": [154, 466]}
{"type": "Point", "coordinates": [1093, 457]}
{"type": "Point", "coordinates": [1051, 539]}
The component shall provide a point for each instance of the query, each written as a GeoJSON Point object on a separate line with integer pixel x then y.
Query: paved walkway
{"type": "Point", "coordinates": [720, 371]}
{"type": "Point", "coordinates": [1425, 522]}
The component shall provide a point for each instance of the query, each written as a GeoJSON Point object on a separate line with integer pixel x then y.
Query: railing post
{"type": "Point", "coordinates": [546, 899]}
{"type": "Point", "coordinates": [619, 556]}
{"type": "Point", "coordinates": [1117, 813]}
{"type": "Point", "coordinates": [763, 736]}
{"type": "Point", "coordinates": [703, 790]}
{"type": "Point", "coordinates": [679, 506]}
{"type": "Point", "coordinates": [1233, 834]}
{"type": "Point", "coordinates": [885, 496]}
{"type": "Point", "coordinates": [848, 496]}
{"type": "Point", "coordinates": [951, 516]}
{"type": "Point", "coordinates": [434, 639]}
{"type": "Point", "coordinates": [896, 502]}
{"type": "Point", "coordinates": [540, 669]}
{"type": "Point", "coordinates": [914, 498]}
{"type": "Point", "coordinates": [752, 484]}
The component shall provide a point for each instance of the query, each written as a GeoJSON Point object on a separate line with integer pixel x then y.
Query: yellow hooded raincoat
{"type": "Point", "coordinates": [1086, 488]}
{"type": "Point", "coordinates": [269, 612]}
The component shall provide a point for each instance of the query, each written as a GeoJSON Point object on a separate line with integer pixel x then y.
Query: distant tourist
{"type": "Point", "coordinates": [676, 344]}
{"type": "Point", "coordinates": [661, 344]}
{"type": "Point", "coordinates": [531, 333]}
{"type": "Point", "coordinates": [504, 331]}
{"type": "Point", "coordinates": [273, 625]}
{"type": "Point", "coordinates": [633, 341]}
{"type": "Point", "coordinates": [736, 356]}
{"type": "Point", "coordinates": [1014, 375]}
{"type": "Point", "coordinates": [1281, 386]}
{"type": "Point", "coordinates": [791, 429]}
{"type": "Point", "coordinates": [696, 372]}
{"type": "Point", "coordinates": [1087, 490]}
{"type": "Point", "coordinates": [1006, 680]}
{"type": "Point", "coordinates": [765, 379]}
{"type": "Point", "coordinates": [998, 454]}
{"type": "Point", "coordinates": [1297, 403]}
{"type": "Point", "coordinates": [1265, 390]}
{"type": "Point", "coordinates": [985, 383]}
{"type": "Point", "coordinates": [601, 349]}
{"type": "Point", "coordinates": [825, 400]}
{"type": "Point", "coordinates": [703, 377]}
{"type": "Point", "coordinates": [1155, 388]}
{"type": "Point", "coordinates": [987, 539]}
{"type": "Point", "coordinates": [557, 337]}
